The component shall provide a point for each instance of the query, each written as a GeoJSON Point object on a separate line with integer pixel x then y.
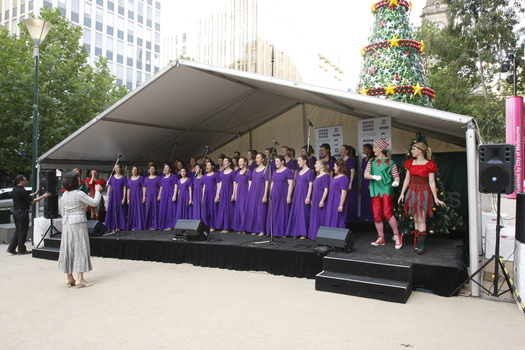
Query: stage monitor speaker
{"type": "Point", "coordinates": [194, 229]}
{"type": "Point", "coordinates": [335, 237]}
{"type": "Point", "coordinates": [51, 207]}
{"type": "Point", "coordinates": [96, 228]}
{"type": "Point", "coordinates": [520, 218]}
{"type": "Point", "coordinates": [496, 168]}
{"type": "Point", "coordinates": [48, 182]}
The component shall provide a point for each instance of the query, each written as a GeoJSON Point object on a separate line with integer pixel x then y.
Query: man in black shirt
{"type": "Point", "coordinates": [21, 203]}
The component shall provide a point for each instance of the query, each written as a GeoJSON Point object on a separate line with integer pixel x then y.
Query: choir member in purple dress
{"type": "Point", "coordinates": [193, 164]}
{"type": "Point", "coordinates": [251, 155]}
{"type": "Point", "coordinates": [209, 191]}
{"type": "Point", "coordinates": [235, 163]}
{"type": "Point", "coordinates": [308, 151]}
{"type": "Point", "coordinates": [152, 186]}
{"type": "Point", "coordinates": [289, 158]}
{"type": "Point", "coordinates": [269, 153]}
{"type": "Point", "coordinates": [366, 200]}
{"type": "Point", "coordinates": [167, 209]}
{"type": "Point", "coordinates": [257, 203]}
{"type": "Point", "coordinates": [219, 167]}
{"type": "Point", "coordinates": [136, 199]}
{"type": "Point", "coordinates": [348, 154]}
{"type": "Point", "coordinates": [225, 197]}
{"type": "Point", "coordinates": [326, 155]}
{"type": "Point", "coordinates": [183, 196]}
{"type": "Point", "coordinates": [116, 212]}
{"type": "Point", "coordinates": [300, 211]}
{"type": "Point", "coordinates": [336, 204]}
{"type": "Point", "coordinates": [281, 197]}
{"type": "Point", "coordinates": [197, 193]}
{"type": "Point", "coordinates": [146, 172]}
{"type": "Point", "coordinates": [241, 186]}
{"type": "Point", "coordinates": [320, 188]}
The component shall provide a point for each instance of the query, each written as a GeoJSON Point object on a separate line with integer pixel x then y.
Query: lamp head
{"type": "Point", "coordinates": [38, 29]}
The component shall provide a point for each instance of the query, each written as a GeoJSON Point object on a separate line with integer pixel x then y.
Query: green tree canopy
{"type": "Point", "coordinates": [71, 92]}
{"type": "Point", "coordinates": [464, 58]}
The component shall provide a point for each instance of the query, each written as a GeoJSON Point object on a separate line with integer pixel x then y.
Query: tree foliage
{"type": "Point", "coordinates": [463, 61]}
{"type": "Point", "coordinates": [71, 92]}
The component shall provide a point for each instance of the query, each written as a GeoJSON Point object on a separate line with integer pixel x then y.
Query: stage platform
{"type": "Point", "coordinates": [439, 270]}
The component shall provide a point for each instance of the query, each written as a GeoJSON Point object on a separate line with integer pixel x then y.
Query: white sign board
{"type": "Point", "coordinates": [332, 135]}
{"type": "Point", "coordinates": [372, 130]}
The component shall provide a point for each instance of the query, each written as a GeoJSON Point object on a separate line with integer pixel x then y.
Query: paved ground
{"type": "Point", "coordinates": [145, 305]}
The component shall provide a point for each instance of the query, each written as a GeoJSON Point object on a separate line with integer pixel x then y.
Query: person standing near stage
{"type": "Point", "coordinates": [167, 209]}
{"type": "Point", "coordinates": [300, 211]}
{"type": "Point", "coordinates": [420, 189]}
{"type": "Point", "coordinates": [151, 199]}
{"type": "Point", "coordinates": [241, 186]}
{"type": "Point", "coordinates": [384, 176]}
{"type": "Point", "coordinates": [197, 193]}
{"type": "Point", "coordinates": [74, 245]}
{"type": "Point", "coordinates": [320, 188]}
{"type": "Point", "coordinates": [136, 194]}
{"type": "Point", "coordinates": [21, 204]}
{"type": "Point", "coordinates": [308, 151]}
{"type": "Point", "coordinates": [326, 155]}
{"type": "Point", "coordinates": [348, 154]}
{"type": "Point", "coordinates": [225, 197]}
{"type": "Point", "coordinates": [251, 155]}
{"type": "Point", "coordinates": [116, 212]}
{"type": "Point", "coordinates": [209, 191]}
{"type": "Point", "coordinates": [281, 197]}
{"type": "Point", "coordinates": [336, 206]}
{"type": "Point", "coordinates": [91, 182]}
{"type": "Point", "coordinates": [366, 200]}
{"type": "Point", "coordinates": [257, 203]}
{"type": "Point", "coordinates": [183, 196]}
{"type": "Point", "coordinates": [192, 170]}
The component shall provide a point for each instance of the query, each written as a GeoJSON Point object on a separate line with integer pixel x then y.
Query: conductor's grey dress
{"type": "Point", "coordinates": [74, 246]}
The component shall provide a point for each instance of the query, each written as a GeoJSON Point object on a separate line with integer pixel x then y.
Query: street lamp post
{"type": "Point", "coordinates": [38, 29]}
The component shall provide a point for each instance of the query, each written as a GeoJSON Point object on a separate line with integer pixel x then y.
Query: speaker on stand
{"type": "Point", "coordinates": [496, 168]}
{"type": "Point", "coordinates": [48, 183]}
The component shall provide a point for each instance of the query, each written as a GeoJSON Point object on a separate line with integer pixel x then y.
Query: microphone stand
{"type": "Point", "coordinates": [116, 230]}
{"type": "Point", "coordinates": [308, 143]}
{"type": "Point", "coordinates": [269, 169]}
{"type": "Point", "coordinates": [239, 141]}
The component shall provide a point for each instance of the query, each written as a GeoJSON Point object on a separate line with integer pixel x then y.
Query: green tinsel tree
{"type": "Point", "coordinates": [392, 66]}
{"type": "Point", "coordinates": [445, 218]}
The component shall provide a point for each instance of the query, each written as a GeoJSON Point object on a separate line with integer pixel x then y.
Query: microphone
{"type": "Point", "coordinates": [275, 142]}
{"type": "Point", "coordinates": [310, 123]}
{"type": "Point", "coordinates": [119, 155]}
{"type": "Point", "coordinates": [207, 147]}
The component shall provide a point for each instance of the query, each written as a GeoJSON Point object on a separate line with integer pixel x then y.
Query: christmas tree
{"type": "Point", "coordinates": [444, 218]}
{"type": "Point", "coordinates": [392, 66]}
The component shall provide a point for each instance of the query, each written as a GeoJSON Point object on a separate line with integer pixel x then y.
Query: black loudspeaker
{"type": "Point", "coordinates": [51, 207]}
{"type": "Point", "coordinates": [48, 182]}
{"type": "Point", "coordinates": [96, 228]}
{"type": "Point", "coordinates": [193, 229]}
{"type": "Point", "coordinates": [335, 237]}
{"type": "Point", "coordinates": [520, 217]}
{"type": "Point", "coordinates": [496, 168]}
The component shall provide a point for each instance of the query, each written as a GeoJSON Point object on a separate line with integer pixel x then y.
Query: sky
{"type": "Point", "coordinates": [336, 28]}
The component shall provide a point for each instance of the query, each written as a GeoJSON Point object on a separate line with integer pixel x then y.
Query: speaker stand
{"type": "Point", "coordinates": [498, 264]}
{"type": "Point", "coordinates": [50, 230]}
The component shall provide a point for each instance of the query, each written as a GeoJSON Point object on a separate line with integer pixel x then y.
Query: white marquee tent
{"type": "Point", "coordinates": [188, 106]}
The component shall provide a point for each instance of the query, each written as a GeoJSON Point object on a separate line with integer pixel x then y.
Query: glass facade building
{"type": "Point", "coordinates": [127, 32]}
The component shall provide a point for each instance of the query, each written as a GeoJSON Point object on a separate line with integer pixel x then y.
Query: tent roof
{"type": "Point", "coordinates": [189, 105]}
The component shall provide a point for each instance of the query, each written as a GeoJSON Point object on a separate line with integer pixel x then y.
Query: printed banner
{"type": "Point", "coordinates": [332, 135]}
{"type": "Point", "coordinates": [514, 133]}
{"type": "Point", "coordinates": [372, 130]}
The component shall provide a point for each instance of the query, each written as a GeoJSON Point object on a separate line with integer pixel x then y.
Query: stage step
{"type": "Point", "coordinates": [369, 279]}
{"type": "Point", "coordinates": [48, 253]}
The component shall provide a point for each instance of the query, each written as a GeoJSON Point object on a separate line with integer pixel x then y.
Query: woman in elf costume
{"type": "Point", "coordinates": [384, 176]}
{"type": "Point", "coordinates": [420, 188]}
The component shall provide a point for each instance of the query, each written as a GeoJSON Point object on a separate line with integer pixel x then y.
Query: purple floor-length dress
{"type": "Point", "coordinates": [151, 214]}
{"type": "Point", "coordinates": [351, 196]}
{"type": "Point", "coordinates": [167, 208]}
{"type": "Point", "coordinates": [136, 207]}
{"type": "Point", "coordinates": [256, 210]}
{"type": "Point", "coordinates": [184, 209]}
{"type": "Point", "coordinates": [366, 200]}
{"type": "Point", "coordinates": [300, 212]}
{"type": "Point", "coordinates": [318, 215]}
{"type": "Point", "coordinates": [241, 200]}
{"type": "Point", "coordinates": [209, 207]}
{"type": "Point", "coordinates": [197, 198]}
{"type": "Point", "coordinates": [226, 206]}
{"type": "Point", "coordinates": [116, 211]}
{"type": "Point", "coordinates": [333, 217]}
{"type": "Point", "coordinates": [280, 209]}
